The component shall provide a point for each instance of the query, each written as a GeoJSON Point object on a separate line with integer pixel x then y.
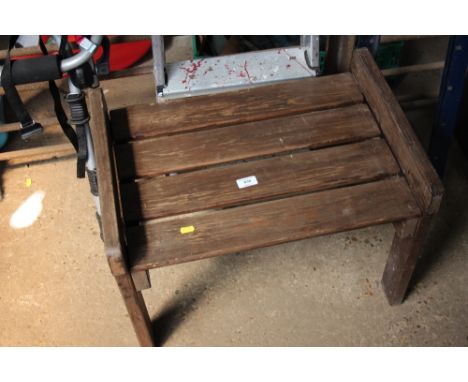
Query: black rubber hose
{"type": "Point", "coordinates": [38, 69]}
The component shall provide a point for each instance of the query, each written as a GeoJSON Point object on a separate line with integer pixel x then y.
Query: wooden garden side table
{"type": "Point", "coordinates": [211, 175]}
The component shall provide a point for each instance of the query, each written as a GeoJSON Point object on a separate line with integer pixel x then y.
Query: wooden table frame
{"type": "Point", "coordinates": [416, 170]}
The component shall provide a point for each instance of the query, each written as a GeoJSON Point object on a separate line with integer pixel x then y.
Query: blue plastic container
{"type": "Point", "coordinates": [3, 136]}
{"type": "Point", "coordinates": [3, 139]}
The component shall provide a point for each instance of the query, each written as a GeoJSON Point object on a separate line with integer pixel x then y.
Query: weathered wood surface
{"type": "Point", "coordinates": [247, 105]}
{"type": "Point", "coordinates": [352, 177]}
{"type": "Point", "coordinates": [406, 248]}
{"type": "Point", "coordinates": [279, 176]}
{"type": "Point", "coordinates": [110, 217]}
{"type": "Point", "coordinates": [264, 224]}
{"type": "Point", "coordinates": [202, 148]}
{"type": "Point", "coordinates": [404, 143]}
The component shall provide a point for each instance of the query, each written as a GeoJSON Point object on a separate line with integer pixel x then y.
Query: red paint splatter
{"type": "Point", "coordinates": [191, 70]}
{"type": "Point", "coordinates": [246, 71]}
{"type": "Point", "coordinates": [230, 71]}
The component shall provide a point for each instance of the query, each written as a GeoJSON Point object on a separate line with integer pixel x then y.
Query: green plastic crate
{"type": "Point", "coordinates": [388, 55]}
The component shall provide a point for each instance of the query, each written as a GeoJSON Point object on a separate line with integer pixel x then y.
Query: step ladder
{"type": "Point", "coordinates": [223, 73]}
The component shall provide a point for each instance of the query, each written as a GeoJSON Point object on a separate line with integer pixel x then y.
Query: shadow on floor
{"type": "Point", "coordinates": [185, 302]}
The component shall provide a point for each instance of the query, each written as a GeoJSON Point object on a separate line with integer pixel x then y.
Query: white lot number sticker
{"type": "Point", "coordinates": [247, 182]}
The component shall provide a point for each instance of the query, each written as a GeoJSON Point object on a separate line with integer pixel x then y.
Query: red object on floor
{"type": "Point", "coordinates": [122, 55]}
{"type": "Point", "coordinates": [126, 54]}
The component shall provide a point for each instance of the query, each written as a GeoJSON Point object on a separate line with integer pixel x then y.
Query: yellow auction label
{"type": "Point", "coordinates": [187, 229]}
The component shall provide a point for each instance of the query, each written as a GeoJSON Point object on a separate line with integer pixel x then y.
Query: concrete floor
{"type": "Point", "coordinates": [57, 289]}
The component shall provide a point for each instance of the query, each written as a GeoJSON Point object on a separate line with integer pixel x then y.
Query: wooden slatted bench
{"type": "Point", "coordinates": [322, 155]}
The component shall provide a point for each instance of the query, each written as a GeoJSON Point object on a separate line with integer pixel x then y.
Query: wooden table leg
{"type": "Point", "coordinates": [136, 308]}
{"type": "Point", "coordinates": [406, 248]}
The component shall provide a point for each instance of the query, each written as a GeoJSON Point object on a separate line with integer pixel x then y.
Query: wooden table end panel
{"type": "Point", "coordinates": [111, 228]}
{"type": "Point", "coordinates": [405, 145]}
{"type": "Point", "coordinates": [110, 218]}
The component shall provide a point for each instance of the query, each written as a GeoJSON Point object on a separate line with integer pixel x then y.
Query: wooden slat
{"type": "Point", "coordinates": [404, 143]}
{"type": "Point", "coordinates": [28, 51]}
{"type": "Point", "coordinates": [203, 148]}
{"type": "Point", "coordinates": [53, 48]}
{"type": "Point", "coordinates": [257, 103]}
{"type": "Point", "coordinates": [290, 174]}
{"type": "Point", "coordinates": [418, 68]}
{"type": "Point", "coordinates": [394, 38]}
{"type": "Point", "coordinates": [264, 224]}
{"type": "Point", "coordinates": [44, 152]}
{"type": "Point", "coordinates": [16, 126]}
